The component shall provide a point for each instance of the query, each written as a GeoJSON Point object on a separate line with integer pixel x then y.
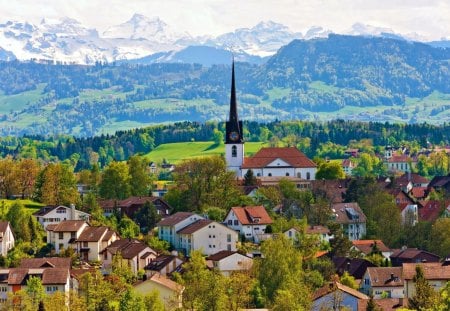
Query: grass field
{"type": "Point", "coordinates": [17, 102]}
{"type": "Point", "coordinates": [176, 152]}
{"type": "Point", "coordinates": [31, 206]}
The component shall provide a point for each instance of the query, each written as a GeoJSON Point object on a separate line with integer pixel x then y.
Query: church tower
{"type": "Point", "coordinates": [234, 141]}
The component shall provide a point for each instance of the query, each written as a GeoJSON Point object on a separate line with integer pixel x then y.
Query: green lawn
{"type": "Point", "coordinates": [17, 102]}
{"type": "Point", "coordinates": [31, 206]}
{"type": "Point", "coordinates": [175, 152]}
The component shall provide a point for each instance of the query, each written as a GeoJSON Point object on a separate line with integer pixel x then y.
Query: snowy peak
{"type": "Point", "coordinates": [65, 27]}
{"type": "Point", "coordinates": [316, 32]}
{"type": "Point", "coordinates": [140, 27]}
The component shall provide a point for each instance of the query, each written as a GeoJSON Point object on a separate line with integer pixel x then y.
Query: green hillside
{"type": "Point", "coordinates": [176, 152]}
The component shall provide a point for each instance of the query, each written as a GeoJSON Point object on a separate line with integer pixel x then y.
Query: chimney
{"type": "Point", "coordinates": [72, 211]}
{"type": "Point", "coordinates": [392, 276]}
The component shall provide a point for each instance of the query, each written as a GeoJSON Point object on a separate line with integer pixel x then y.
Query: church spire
{"type": "Point", "coordinates": [233, 104]}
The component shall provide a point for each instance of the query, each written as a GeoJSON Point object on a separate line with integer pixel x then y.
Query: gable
{"type": "Point", "coordinates": [278, 162]}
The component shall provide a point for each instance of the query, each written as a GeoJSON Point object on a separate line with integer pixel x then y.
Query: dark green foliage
{"type": "Point", "coordinates": [425, 295]}
{"type": "Point", "coordinates": [249, 178]}
{"type": "Point", "coordinates": [147, 217]}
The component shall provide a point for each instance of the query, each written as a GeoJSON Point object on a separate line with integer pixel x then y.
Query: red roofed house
{"type": "Point", "coordinates": [335, 294]}
{"type": "Point", "coordinates": [437, 274]}
{"type": "Point", "coordinates": [348, 165]}
{"type": "Point", "coordinates": [131, 205]}
{"type": "Point", "coordinates": [208, 236]}
{"type": "Point", "coordinates": [368, 246]}
{"type": "Point", "coordinates": [431, 210]}
{"type": "Point", "coordinates": [65, 234]}
{"type": "Point", "coordinates": [402, 163]}
{"type": "Point", "coordinates": [383, 281]}
{"type": "Point", "coordinates": [249, 221]}
{"type": "Point", "coordinates": [135, 254]}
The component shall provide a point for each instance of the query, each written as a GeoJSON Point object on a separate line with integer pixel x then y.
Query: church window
{"type": "Point", "coordinates": [258, 174]}
{"type": "Point", "coordinates": [287, 174]}
{"type": "Point", "coordinates": [299, 175]}
{"type": "Point", "coordinates": [308, 176]}
{"type": "Point", "coordinates": [234, 151]}
{"type": "Point", "coordinates": [270, 175]}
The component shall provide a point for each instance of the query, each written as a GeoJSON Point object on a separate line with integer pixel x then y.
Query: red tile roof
{"type": "Point", "coordinates": [92, 234]}
{"type": "Point", "coordinates": [220, 255]}
{"type": "Point", "coordinates": [366, 246]}
{"type": "Point", "coordinates": [199, 224]}
{"type": "Point", "coordinates": [265, 156]}
{"type": "Point", "coordinates": [331, 287]}
{"type": "Point", "coordinates": [3, 226]}
{"type": "Point", "coordinates": [385, 276]}
{"type": "Point", "coordinates": [418, 192]}
{"type": "Point", "coordinates": [317, 230]}
{"type": "Point", "coordinates": [431, 210]}
{"type": "Point", "coordinates": [175, 218]}
{"type": "Point", "coordinates": [413, 177]}
{"type": "Point", "coordinates": [431, 271]}
{"type": "Point", "coordinates": [55, 276]}
{"type": "Point", "coordinates": [55, 262]}
{"type": "Point", "coordinates": [128, 248]}
{"type": "Point", "coordinates": [68, 226]}
{"type": "Point", "coordinates": [343, 211]}
{"type": "Point", "coordinates": [399, 159]}
{"type": "Point", "coordinates": [252, 215]}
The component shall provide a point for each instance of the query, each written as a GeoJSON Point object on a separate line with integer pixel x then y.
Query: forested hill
{"type": "Point", "coordinates": [345, 77]}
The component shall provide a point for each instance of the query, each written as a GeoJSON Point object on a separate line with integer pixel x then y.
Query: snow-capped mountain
{"type": "Point", "coordinates": [67, 40]}
{"type": "Point", "coordinates": [264, 39]}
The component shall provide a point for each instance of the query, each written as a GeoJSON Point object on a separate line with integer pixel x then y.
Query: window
{"type": "Point", "coordinates": [228, 237]}
{"type": "Point", "coordinates": [270, 174]}
{"type": "Point", "coordinates": [230, 222]}
{"type": "Point", "coordinates": [61, 211]}
{"type": "Point", "coordinates": [234, 151]}
{"type": "Point", "coordinates": [287, 174]}
{"type": "Point", "coordinates": [85, 244]}
{"type": "Point", "coordinates": [72, 235]}
{"type": "Point", "coordinates": [61, 235]}
{"type": "Point", "coordinates": [299, 175]}
{"type": "Point", "coordinates": [236, 222]}
{"type": "Point", "coordinates": [308, 175]}
{"type": "Point", "coordinates": [228, 247]}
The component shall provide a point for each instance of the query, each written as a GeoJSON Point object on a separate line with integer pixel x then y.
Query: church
{"type": "Point", "coordinates": [267, 162]}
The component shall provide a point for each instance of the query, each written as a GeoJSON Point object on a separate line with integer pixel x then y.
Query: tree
{"type": "Point", "coordinates": [115, 182]}
{"type": "Point", "coordinates": [153, 302]}
{"type": "Point", "coordinates": [249, 178]}
{"type": "Point", "coordinates": [147, 217]}
{"type": "Point", "coordinates": [425, 295]}
{"type": "Point", "coordinates": [27, 172]}
{"type": "Point", "coordinates": [440, 237]}
{"type": "Point", "coordinates": [131, 302]}
{"type": "Point", "coordinates": [348, 280]}
{"type": "Point", "coordinates": [330, 170]}
{"type": "Point", "coordinates": [238, 287]}
{"type": "Point", "coordinates": [280, 268]}
{"type": "Point", "coordinates": [8, 177]}
{"type": "Point", "coordinates": [140, 180]}
{"type": "Point", "coordinates": [19, 220]}
{"type": "Point", "coordinates": [56, 184]}
{"type": "Point", "coordinates": [35, 291]}
{"type": "Point", "coordinates": [128, 228]}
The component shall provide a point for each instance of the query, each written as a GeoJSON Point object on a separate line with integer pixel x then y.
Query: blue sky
{"type": "Point", "coordinates": [429, 18]}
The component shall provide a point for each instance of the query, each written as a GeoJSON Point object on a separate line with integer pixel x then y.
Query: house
{"type": "Point", "coordinates": [367, 247]}
{"type": "Point", "coordinates": [412, 255]}
{"type": "Point", "coordinates": [432, 210]}
{"type": "Point", "coordinates": [348, 165]}
{"type": "Point", "coordinates": [163, 264]}
{"type": "Point", "coordinates": [53, 279]}
{"type": "Point", "coordinates": [409, 213]}
{"type": "Point", "coordinates": [414, 179]}
{"type": "Point", "coordinates": [7, 239]}
{"type": "Point", "coordinates": [356, 267]}
{"type": "Point", "coordinates": [335, 296]}
{"type": "Point", "coordinates": [440, 183]}
{"type": "Point", "coordinates": [169, 226]}
{"type": "Point", "coordinates": [280, 162]}
{"type": "Point", "coordinates": [93, 240]}
{"type": "Point", "coordinates": [383, 282]}
{"type": "Point", "coordinates": [228, 262]}
{"type": "Point", "coordinates": [333, 190]}
{"type": "Point", "coordinates": [46, 262]}
{"type": "Point", "coordinates": [65, 233]}
{"type": "Point", "coordinates": [131, 205]}
{"type": "Point", "coordinates": [208, 236]}
{"type": "Point", "coordinates": [322, 232]}
{"type": "Point", "coordinates": [436, 273]}
{"type": "Point", "coordinates": [249, 221]}
{"type": "Point", "coordinates": [55, 214]}
{"type": "Point", "coordinates": [135, 254]}
{"type": "Point", "coordinates": [170, 292]}
{"type": "Point", "coordinates": [351, 218]}
{"type": "Point", "coordinates": [400, 163]}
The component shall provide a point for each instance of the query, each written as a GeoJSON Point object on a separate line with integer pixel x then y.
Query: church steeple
{"type": "Point", "coordinates": [233, 125]}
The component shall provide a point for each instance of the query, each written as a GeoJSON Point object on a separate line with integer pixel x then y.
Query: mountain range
{"type": "Point", "coordinates": [148, 40]}
{"type": "Point", "coordinates": [337, 77]}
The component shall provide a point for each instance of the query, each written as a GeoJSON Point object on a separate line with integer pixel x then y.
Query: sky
{"type": "Point", "coordinates": [429, 18]}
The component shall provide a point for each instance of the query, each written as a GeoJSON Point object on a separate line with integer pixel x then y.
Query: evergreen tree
{"type": "Point", "coordinates": [249, 178]}
{"type": "Point", "coordinates": [425, 296]}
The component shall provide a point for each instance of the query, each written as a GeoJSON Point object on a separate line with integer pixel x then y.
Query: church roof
{"type": "Point", "coordinates": [290, 155]}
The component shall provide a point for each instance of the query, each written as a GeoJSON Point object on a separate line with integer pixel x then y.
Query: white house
{"type": "Point", "coordinates": [249, 221]}
{"type": "Point", "coordinates": [55, 214]}
{"type": "Point", "coordinates": [410, 213]}
{"type": "Point", "coordinates": [334, 296]}
{"type": "Point", "coordinates": [351, 218]}
{"type": "Point", "coordinates": [383, 282]}
{"type": "Point", "coordinates": [93, 240]}
{"type": "Point", "coordinates": [208, 236]}
{"type": "Point", "coordinates": [400, 163]}
{"type": "Point", "coordinates": [228, 262]}
{"type": "Point", "coordinates": [348, 165]}
{"type": "Point", "coordinates": [65, 233]}
{"type": "Point", "coordinates": [6, 238]}
{"type": "Point", "coordinates": [366, 247]}
{"type": "Point", "coordinates": [163, 264]}
{"type": "Point", "coordinates": [169, 226]}
{"type": "Point", "coordinates": [135, 254]}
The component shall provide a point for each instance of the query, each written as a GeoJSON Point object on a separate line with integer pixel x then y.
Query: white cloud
{"type": "Point", "coordinates": [428, 17]}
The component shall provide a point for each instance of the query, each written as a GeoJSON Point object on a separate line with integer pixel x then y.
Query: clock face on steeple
{"type": "Point", "coordinates": [234, 136]}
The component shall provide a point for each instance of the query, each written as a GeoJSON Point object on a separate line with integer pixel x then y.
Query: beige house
{"type": "Point", "coordinates": [208, 236]}
{"type": "Point", "coordinates": [65, 233]}
{"type": "Point", "coordinates": [6, 238]}
{"type": "Point", "coordinates": [228, 262]}
{"type": "Point", "coordinates": [383, 282]}
{"type": "Point", "coordinates": [170, 292]}
{"type": "Point", "coordinates": [93, 240]}
{"type": "Point", "coordinates": [436, 273]}
{"type": "Point", "coordinates": [135, 254]}
{"type": "Point", "coordinates": [163, 264]}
